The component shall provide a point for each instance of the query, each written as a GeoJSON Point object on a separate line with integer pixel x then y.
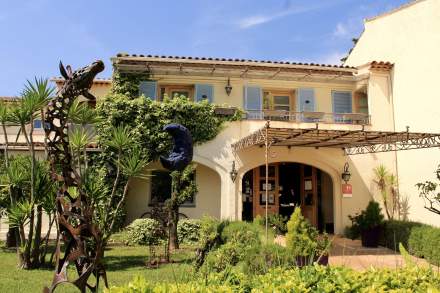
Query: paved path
{"type": "Point", "coordinates": [347, 252]}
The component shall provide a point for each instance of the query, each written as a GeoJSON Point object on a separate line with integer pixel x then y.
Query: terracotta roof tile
{"type": "Point", "coordinates": [126, 55]}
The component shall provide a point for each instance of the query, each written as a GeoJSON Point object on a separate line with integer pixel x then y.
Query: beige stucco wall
{"type": "Point", "coordinates": [409, 38]}
{"type": "Point", "coordinates": [207, 199]}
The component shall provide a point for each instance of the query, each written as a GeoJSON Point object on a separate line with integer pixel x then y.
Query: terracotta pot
{"type": "Point", "coordinates": [370, 237]}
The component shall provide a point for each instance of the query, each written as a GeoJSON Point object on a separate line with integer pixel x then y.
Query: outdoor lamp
{"type": "Point", "coordinates": [228, 87]}
{"type": "Point", "coordinates": [346, 174]}
{"type": "Point", "coordinates": [233, 172]}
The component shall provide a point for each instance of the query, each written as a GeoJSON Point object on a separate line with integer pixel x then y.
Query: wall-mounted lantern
{"type": "Point", "coordinates": [228, 87]}
{"type": "Point", "coordinates": [233, 172]}
{"type": "Point", "coordinates": [346, 175]}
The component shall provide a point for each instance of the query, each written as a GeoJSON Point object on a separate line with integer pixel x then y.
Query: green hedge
{"type": "Point", "coordinates": [419, 239]}
{"type": "Point", "coordinates": [395, 232]}
{"type": "Point", "coordinates": [308, 279]}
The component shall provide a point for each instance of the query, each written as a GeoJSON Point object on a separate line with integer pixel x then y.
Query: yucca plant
{"type": "Point", "coordinates": [79, 138]}
{"type": "Point", "coordinates": [81, 113]}
{"type": "Point", "coordinates": [382, 179]}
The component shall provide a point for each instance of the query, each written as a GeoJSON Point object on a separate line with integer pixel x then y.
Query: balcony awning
{"type": "Point", "coordinates": [352, 142]}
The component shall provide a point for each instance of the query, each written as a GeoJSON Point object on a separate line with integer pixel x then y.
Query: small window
{"type": "Point", "coordinates": [277, 100]}
{"type": "Point", "coordinates": [161, 188]}
{"type": "Point", "coordinates": [173, 91]}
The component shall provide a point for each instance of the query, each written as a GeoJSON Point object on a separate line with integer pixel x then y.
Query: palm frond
{"type": "Point", "coordinates": [19, 214]}
{"type": "Point", "coordinates": [81, 113]}
{"type": "Point", "coordinates": [133, 164]}
{"type": "Point", "coordinates": [120, 138]}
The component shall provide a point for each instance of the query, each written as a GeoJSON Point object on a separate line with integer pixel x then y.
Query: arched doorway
{"type": "Point", "coordinates": [290, 185]}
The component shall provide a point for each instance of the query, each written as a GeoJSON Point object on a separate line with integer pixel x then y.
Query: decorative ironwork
{"type": "Point", "coordinates": [74, 214]}
{"type": "Point", "coordinates": [353, 142]}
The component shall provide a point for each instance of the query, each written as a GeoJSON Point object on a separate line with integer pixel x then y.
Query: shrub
{"type": "Point", "coordinates": [395, 232]}
{"type": "Point", "coordinates": [301, 236]}
{"type": "Point", "coordinates": [260, 259]}
{"type": "Point", "coordinates": [424, 241]}
{"type": "Point", "coordinates": [308, 279]}
{"type": "Point", "coordinates": [188, 230]}
{"type": "Point", "coordinates": [369, 218]}
{"type": "Point", "coordinates": [242, 232]}
{"type": "Point", "coordinates": [143, 232]}
{"type": "Point", "coordinates": [276, 221]}
{"type": "Point", "coordinates": [210, 238]}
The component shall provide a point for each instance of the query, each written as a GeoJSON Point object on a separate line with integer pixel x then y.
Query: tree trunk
{"type": "Point", "coordinates": [173, 215]}
{"type": "Point", "coordinates": [37, 239]}
{"type": "Point", "coordinates": [11, 239]}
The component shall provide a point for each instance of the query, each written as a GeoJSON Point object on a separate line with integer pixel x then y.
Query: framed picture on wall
{"type": "Point", "coordinates": [308, 184]}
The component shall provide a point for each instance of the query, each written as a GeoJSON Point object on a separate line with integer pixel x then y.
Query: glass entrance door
{"type": "Point", "coordinates": [309, 194]}
{"type": "Point", "coordinates": [259, 200]}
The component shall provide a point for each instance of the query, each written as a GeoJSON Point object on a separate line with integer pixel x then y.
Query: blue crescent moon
{"type": "Point", "coordinates": [182, 153]}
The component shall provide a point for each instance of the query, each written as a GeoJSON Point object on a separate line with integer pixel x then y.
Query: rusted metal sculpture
{"type": "Point", "coordinates": [74, 215]}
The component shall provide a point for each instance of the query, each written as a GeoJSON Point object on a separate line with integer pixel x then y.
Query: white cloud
{"type": "Point", "coordinates": [254, 20]}
{"type": "Point", "coordinates": [341, 30]}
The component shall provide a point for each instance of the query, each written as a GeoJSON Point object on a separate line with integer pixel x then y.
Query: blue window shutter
{"type": "Point", "coordinates": [342, 102]}
{"type": "Point", "coordinates": [253, 98]}
{"type": "Point", "coordinates": [148, 88]}
{"type": "Point", "coordinates": [38, 123]}
{"type": "Point", "coordinates": [306, 100]}
{"type": "Point", "coordinates": [204, 91]}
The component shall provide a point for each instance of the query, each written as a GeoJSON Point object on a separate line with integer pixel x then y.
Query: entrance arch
{"type": "Point", "coordinates": [290, 185]}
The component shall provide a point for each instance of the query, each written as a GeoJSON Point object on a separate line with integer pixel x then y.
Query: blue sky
{"type": "Point", "coordinates": [36, 34]}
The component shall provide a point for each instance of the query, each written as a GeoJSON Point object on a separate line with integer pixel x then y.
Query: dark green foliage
{"type": "Point", "coordinates": [146, 119]}
{"type": "Point", "coordinates": [308, 279]}
{"type": "Point", "coordinates": [188, 230]}
{"type": "Point", "coordinates": [395, 232]}
{"type": "Point", "coordinates": [369, 218]}
{"type": "Point", "coordinates": [127, 83]}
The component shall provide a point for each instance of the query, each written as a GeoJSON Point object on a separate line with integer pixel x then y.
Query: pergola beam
{"type": "Point", "coordinates": [352, 141]}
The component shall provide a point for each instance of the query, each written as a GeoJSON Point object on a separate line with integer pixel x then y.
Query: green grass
{"type": "Point", "coordinates": [123, 264]}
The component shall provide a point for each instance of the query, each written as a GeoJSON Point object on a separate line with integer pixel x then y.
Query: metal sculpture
{"type": "Point", "coordinates": [74, 214]}
{"type": "Point", "coordinates": [182, 152]}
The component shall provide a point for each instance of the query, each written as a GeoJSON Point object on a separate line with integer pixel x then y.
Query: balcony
{"type": "Point", "coordinates": [308, 117]}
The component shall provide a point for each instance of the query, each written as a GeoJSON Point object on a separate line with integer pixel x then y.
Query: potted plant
{"type": "Point", "coordinates": [369, 223]}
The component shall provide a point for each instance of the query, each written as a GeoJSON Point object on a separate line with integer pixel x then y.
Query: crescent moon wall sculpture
{"type": "Point", "coordinates": [182, 152]}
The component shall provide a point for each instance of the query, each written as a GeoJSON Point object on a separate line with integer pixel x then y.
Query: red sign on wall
{"type": "Point", "coordinates": [347, 190]}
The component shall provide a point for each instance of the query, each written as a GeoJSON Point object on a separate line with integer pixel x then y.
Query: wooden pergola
{"type": "Point", "coordinates": [352, 142]}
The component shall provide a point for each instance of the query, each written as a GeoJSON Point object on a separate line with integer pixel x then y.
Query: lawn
{"type": "Point", "coordinates": [123, 263]}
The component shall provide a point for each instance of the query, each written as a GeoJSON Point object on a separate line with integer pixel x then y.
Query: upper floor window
{"type": "Point", "coordinates": [173, 91]}
{"type": "Point", "coordinates": [361, 103]}
{"type": "Point", "coordinates": [306, 100]}
{"type": "Point", "coordinates": [342, 102]}
{"type": "Point", "coordinates": [278, 100]}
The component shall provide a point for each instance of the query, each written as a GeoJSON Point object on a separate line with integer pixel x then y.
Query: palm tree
{"type": "Point", "coordinates": [34, 99]}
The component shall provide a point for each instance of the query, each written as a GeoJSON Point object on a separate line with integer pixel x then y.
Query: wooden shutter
{"type": "Point", "coordinates": [148, 88]}
{"type": "Point", "coordinates": [306, 100]}
{"type": "Point", "coordinates": [342, 102]}
{"type": "Point", "coordinates": [204, 91]}
{"type": "Point", "coordinates": [253, 98]}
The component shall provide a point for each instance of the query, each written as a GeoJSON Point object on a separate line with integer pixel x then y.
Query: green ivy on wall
{"type": "Point", "coordinates": [127, 83]}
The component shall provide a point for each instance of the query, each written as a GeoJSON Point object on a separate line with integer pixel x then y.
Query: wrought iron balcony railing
{"type": "Point", "coordinates": [312, 117]}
